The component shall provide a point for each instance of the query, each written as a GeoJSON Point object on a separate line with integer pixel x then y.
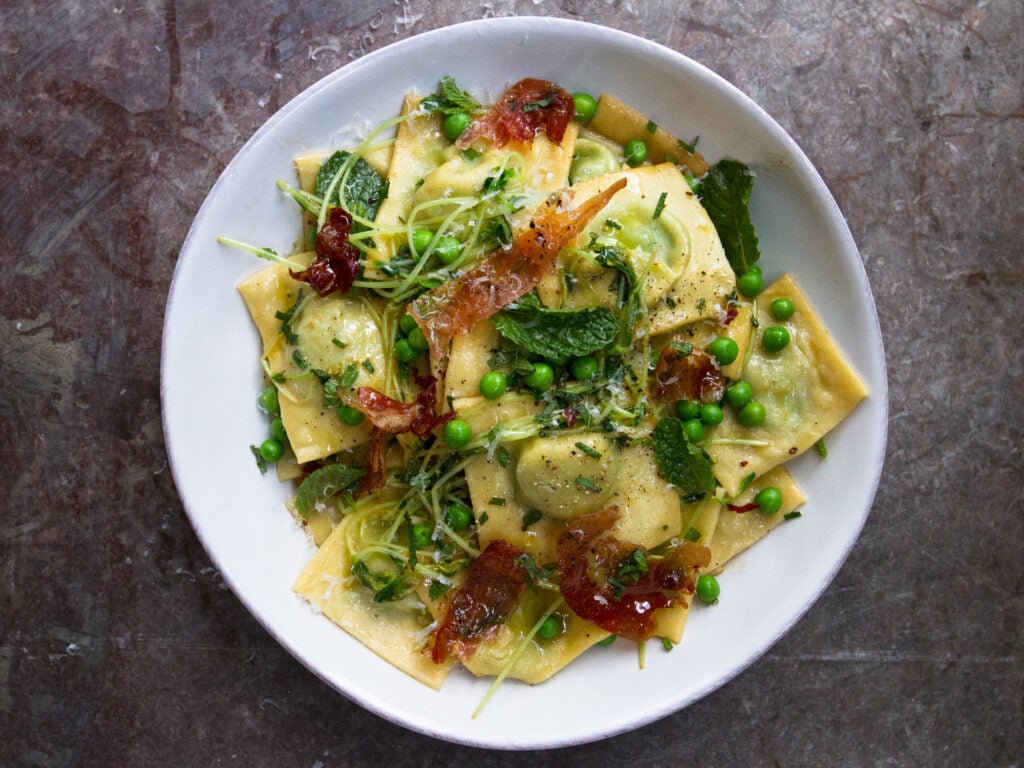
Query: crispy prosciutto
{"type": "Point", "coordinates": [521, 112]}
{"type": "Point", "coordinates": [693, 377]}
{"type": "Point", "coordinates": [375, 463]}
{"type": "Point", "coordinates": [394, 416]}
{"type": "Point", "coordinates": [337, 260]}
{"type": "Point", "coordinates": [458, 305]}
{"type": "Point", "coordinates": [494, 583]}
{"type": "Point", "coordinates": [606, 581]}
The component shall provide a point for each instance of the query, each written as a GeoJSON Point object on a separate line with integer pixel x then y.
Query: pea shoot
{"type": "Point", "coordinates": [635, 152]}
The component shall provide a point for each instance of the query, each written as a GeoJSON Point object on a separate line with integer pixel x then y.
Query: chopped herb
{"type": "Point", "coordinates": [436, 590]}
{"type": "Point", "coordinates": [368, 365]}
{"type": "Point", "coordinates": [503, 456]}
{"type": "Point", "coordinates": [821, 448]}
{"type": "Point", "coordinates": [338, 343]}
{"type": "Point", "coordinates": [470, 154]}
{"type": "Point", "coordinates": [792, 515]}
{"type": "Point", "coordinates": [587, 483]}
{"type": "Point", "coordinates": [691, 147]}
{"type": "Point", "coordinates": [692, 535]}
{"type": "Point", "coordinates": [589, 451]}
{"type": "Point", "coordinates": [631, 568]}
{"type": "Point", "coordinates": [683, 348]}
{"type": "Point", "coordinates": [530, 517]}
{"type": "Point", "coordinates": [497, 501]}
{"type": "Point", "coordinates": [670, 302]}
{"type": "Point", "coordinates": [667, 644]}
{"type": "Point", "coordinates": [660, 206]}
{"type": "Point", "coordinates": [652, 127]}
{"type": "Point", "coordinates": [484, 518]}
{"type": "Point", "coordinates": [612, 224]}
{"type": "Point", "coordinates": [287, 318]}
{"type": "Point", "coordinates": [260, 461]}
{"type": "Point", "coordinates": [701, 304]}
{"type": "Point", "coordinates": [534, 572]}
{"type": "Point", "coordinates": [746, 481]}
{"type": "Point", "coordinates": [349, 375]}
{"type": "Point", "coordinates": [279, 377]}
{"type": "Point", "coordinates": [533, 106]}
{"type": "Point", "coordinates": [497, 181]}
{"type": "Point", "coordinates": [300, 360]}
{"type": "Point", "coordinates": [386, 586]}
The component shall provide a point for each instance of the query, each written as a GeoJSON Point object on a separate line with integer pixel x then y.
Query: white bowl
{"type": "Point", "coordinates": [211, 376]}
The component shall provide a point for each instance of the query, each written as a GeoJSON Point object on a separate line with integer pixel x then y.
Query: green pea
{"type": "Point", "coordinates": [277, 430]}
{"type": "Point", "coordinates": [782, 309]}
{"type": "Point", "coordinates": [750, 284]}
{"type": "Point", "coordinates": [271, 450]}
{"type": "Point", "coordinates": [688, 409]}
{"type": "Point", "coordinates": [693, 430]}
{"type": "Point", "coordinates": [769, 499]}
{"type": "Point", "coordinates": [775, 338]}
{"type": "Point", "coordinates": [724, 350]}
{"type": "Point", "coordinates": [635, 152]}
{"type": "Point", "coordinates": [708, 589]}
{"type": "Point", "coordinates": [448, 249]}
{"type": "Point", "coordinates": [738, 394]}
{"type": "Point", "coordinates": [349, 415]}
{"type": "Point", "coordinates": [586, 107]}
{"type": "Point", "coordinates": [542, 377]}
{"type": "Point", "coordinates": [607, 641]}
{"type": "Point", "coordinates": [457, 433]}
{"type": "Point", "coordinates": [751, 415]}
{"type": "Point", "coordinates": [405, 352]}
{"type": "Point", "coordinates": [417, 340]}
{"type": "Point", "coordinates": [551, 627]}
{"type": "Point", "coordinates": [493, 384]}
{"type": "Point", "coordinates": [584, 368]}
{"type": "Point", "coordinates": [407, 323]}
{"type": "Point", "coordinates": [421, 535]}
{"type": "Point", "coordinates": [458, 516]}
{"type": "Point", "coordinates": [268, 400]}
{"type": "Point", "coordinates": [421, 240]}
{"type": "Point", "coordinates": [455, 124]}
{"type": "Point", "coordinates": [711, 415]}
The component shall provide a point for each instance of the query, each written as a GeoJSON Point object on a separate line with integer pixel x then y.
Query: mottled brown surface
{"type": "Point", "coordinates": [119, 644]}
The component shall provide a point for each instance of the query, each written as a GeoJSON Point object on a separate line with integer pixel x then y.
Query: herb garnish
{"type": "Point", "coordinates": [324, 483]}
{"type": "Point", "coordinates": [682, 463]}
{"type": "Point", "coordinates": [660, 206]}
{"type": "Point", "coordinates": [631, 568]}
{"type": "Point", "coordinates": [556, 333]}
{"type": "Point", "coordinates": [725, 194]}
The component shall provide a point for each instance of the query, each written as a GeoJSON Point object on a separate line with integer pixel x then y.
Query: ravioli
{"type": "Point", "coordinates": [669, 240]}
{"type": "Point", "coordinates": [392, 631]}
{"type": "Point", "coordinates": [806, 389]}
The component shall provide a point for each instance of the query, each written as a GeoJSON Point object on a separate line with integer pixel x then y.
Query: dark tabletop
{"type": "Point", "coordinates": [120, 644]}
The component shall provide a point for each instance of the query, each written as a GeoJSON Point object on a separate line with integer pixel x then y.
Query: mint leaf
{"type": "Point", "coordinates": [449, 99]}
{"type": "Point", "coordinates": [364, 187]}
{"type": "Point", "coordinates": [386, 585]}
{"type": "Point", "coordinates": [324, 483]}
{"type": "Point", "coordinates": [682, 463]}
{"type": "Point", "coordinates": [725, 194]}
{"type": "Point", "coordinates": [554, 333]}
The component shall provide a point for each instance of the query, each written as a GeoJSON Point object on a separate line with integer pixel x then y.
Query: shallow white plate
{"type": "Point", "coordinates": [211, 376]}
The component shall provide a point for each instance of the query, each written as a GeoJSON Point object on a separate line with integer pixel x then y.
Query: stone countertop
{"type": "Point", "coordinates": [119, 643]}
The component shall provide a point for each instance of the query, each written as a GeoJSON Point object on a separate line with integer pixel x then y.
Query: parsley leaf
{"type": "Point", "coordinates": [324, 483]}
{"type": "Point", "coordinates": [725, 194]}
{"type": "Point", "coordinates": [553, 333]}
{"type": "Point", "coordinates": [631, 568]}
{"type": "Point", "coordinates": [260, 461]}
{"type": "Point", "coordinates": [682, 463]}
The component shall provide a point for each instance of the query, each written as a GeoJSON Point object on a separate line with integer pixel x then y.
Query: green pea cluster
{"type": "Point", "coordinates": [272, 449]}
{"type": "Point", "coordinates": [411, 341]}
